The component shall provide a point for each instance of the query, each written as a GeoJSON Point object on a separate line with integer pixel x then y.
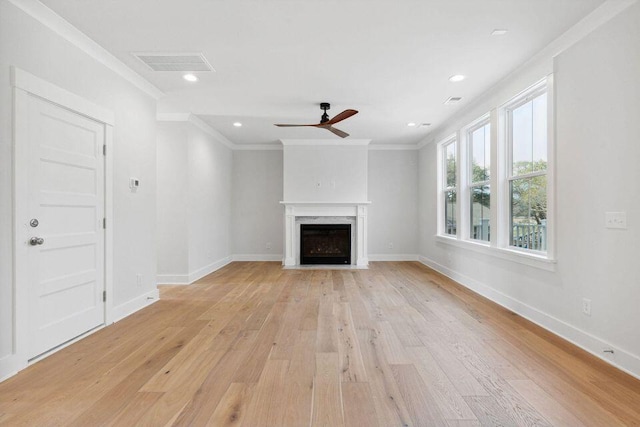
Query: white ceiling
{"type": "Point", "coordinates": [276, 60]}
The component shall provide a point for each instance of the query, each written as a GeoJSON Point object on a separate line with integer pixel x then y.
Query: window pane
{"type": "Point", "coordinates": [480, 212]}
{"type": "Point", "coordinates": [522, 119]}
{"type": "Point", "coordinates": [450, 226]}
{"type": "Point", "coordinates": [529, 136]}
{"type": "Point", "coordinates": [540, 133]}
{"type": "Point", "coordinates": [450, 159]}
{"type": "Point", "coordinates": [529, 213]}
{"type": "Point", "coordinates": [481, 154]}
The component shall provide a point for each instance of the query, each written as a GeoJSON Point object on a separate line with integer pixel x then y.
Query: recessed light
{"type": "Point", "coordinates": [237, 124]}
{"type": "Point", "coordinates": [499, 32]}
{"type": "Point", "coordinates": [457, 78]}
{"type": "Point", "coordinates": [411, 124]}
{"type": "Point", "coordinates": [190, 77]}
{"type": "Point", "coordinates": [424, 125]}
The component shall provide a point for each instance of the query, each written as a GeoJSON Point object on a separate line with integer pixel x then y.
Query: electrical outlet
{"type": "Point", "coordinates": [139, 279]}
{"type": "Point", "coordinates": [268, 245]}
{"type": "Point", "coordinates": [615, 220]}
{"type": "Point", "coordinates": [586, 307]}
{"type": "Point", "coordinates": [390, 245]}
{"type": "Point", "coordinates": [318, 184]}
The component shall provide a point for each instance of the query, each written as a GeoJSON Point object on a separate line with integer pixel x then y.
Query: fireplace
{"type": "Point", "coordinates": [298, 214]}
{"type": "Point", "coordinates": [325, 243]}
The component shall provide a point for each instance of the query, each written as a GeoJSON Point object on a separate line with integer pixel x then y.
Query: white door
{"type": "Point", "coordinates": [65, 237]}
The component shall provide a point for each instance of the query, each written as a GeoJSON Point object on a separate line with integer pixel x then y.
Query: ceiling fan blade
{"type": "Point", "coordinates": [338, 132]}
{"type": "Point", "coordinates": [290, 126]}
{"type": "Point", "coordinates": [340, 117]}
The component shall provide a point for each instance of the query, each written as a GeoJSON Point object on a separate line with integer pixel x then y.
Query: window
{"type": "Point", "coordinates": [479, 149]}
{"type": "Point", "coordinates": [527, 171]}
{"type": "Point", "coordinates": [495, 187]}
{"type": "Point", "coordinates": [449, 191]}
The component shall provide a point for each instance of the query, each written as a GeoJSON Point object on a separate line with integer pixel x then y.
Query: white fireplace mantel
{"type": "Point", "coordinates": [357, 210]}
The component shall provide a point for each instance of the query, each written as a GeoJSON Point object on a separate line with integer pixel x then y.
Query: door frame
{"type": "Point", "coordinates": [26, 85]}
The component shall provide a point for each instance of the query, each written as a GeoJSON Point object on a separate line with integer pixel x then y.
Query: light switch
{"type": "Point", "coordinates": [615, 220]}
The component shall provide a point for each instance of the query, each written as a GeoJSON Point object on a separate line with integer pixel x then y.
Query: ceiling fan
{"type": "Point", "coordinates": [326, 123]}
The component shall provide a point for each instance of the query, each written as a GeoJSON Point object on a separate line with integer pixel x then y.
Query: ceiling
{"type": "Point", "coordinates": [276, 60]}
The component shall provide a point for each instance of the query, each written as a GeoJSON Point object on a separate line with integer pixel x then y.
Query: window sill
{"type": "Point", "coordinates": [532, 260]}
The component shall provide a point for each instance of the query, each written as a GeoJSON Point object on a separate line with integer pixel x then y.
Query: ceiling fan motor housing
{"type": "Point", "coordinates": [325, 117]}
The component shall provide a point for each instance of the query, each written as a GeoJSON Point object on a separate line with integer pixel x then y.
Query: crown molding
{"type": "Point", "coordinates": [67, 31]}
{"type": "Point", "coordinates": [199, 123]}
{"type": "Point", "coordinates": [258, 147]}
{"type": "Point", "coordinates": [392, 147]}
{"type": "Point", "coordinates": [326, 142]}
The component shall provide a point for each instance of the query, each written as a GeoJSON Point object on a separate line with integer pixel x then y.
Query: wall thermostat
{"type": "Point", "coordinates": [134, 183]}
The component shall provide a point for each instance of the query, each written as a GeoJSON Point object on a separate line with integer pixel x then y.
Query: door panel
{"type": "Point", "coordinates": [66, 196]}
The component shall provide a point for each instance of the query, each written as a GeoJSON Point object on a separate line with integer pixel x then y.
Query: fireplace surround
{"type": "Point", "coordinates": [353, 214]}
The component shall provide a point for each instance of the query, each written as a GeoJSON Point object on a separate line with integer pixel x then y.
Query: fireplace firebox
{"type": "Point", "coordinates": [325, 243]}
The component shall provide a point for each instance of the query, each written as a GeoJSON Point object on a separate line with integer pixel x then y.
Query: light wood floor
{"type": "Point", "coordinates": [253, 344]}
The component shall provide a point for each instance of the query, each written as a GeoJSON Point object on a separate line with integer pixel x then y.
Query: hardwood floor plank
{"type": "Point", "coordinates": [232, 408]}
{"type": "Point", "coordinates": [420, 402]}
{"type": "Point", "coordinates": [351, 364]}
{"type": "Point", "coordinates": [449, 401]}
{"type": "Point", "coordinates": [131, 413]}
{"type": "Point", "coordinates": [255, 344]}
{"type": "Point", "coordinates": [390, 407]}
{"type": "Point", "coordinates": [394, 351]}
{"type": "Point", "coordinates": [359, 408]}
{"type": "Point", "coordinates": [539, 370]}
{"type": "Point", "coordinates": [202, 403]}
{"type": "Point", "coordinates": [118, 396]}
{"type": "Point", "coordinates": [544, 404]}
{"type": "Point", "coordinates": [489, 412]}
{"type": "Point", "coordinates": [327, 340]}
{"type": "Point", "coordinates": [327, 395]}
{"type": "Point", "coordinates": [267, 405]}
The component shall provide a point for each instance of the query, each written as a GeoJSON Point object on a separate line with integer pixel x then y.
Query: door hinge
{"type": "Point", "coordinates": [104, 296]}
{"type": "Point", "coordinates": [104, 223]}
{"type": "Point", "coordinates": [104, 150]}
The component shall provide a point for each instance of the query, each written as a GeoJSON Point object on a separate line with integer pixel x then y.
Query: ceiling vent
{"type": "Point", "coordinates": [453, 100]}
{"type": "Point", "coordinates": [175, 61]}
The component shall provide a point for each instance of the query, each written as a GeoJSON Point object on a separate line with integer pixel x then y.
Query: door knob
{"type": "Point", "coordinates": [36, 241]}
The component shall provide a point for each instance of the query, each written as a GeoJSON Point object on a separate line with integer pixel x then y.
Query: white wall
{"type": "Point", "coordinates": [393, 213]}
{"type": "Point", "coordinates": [258, 216]}
{"type": "Point", "coordinates": [341, 171]}
{"type": "Point", "coordinates": [194, 203]}
{"type": "Point", "coordinates": [29, 45]}
{"type": "Point", "coordinates": [209, 207]}
{"type": "Point", "coordinates": [597, 126]}
{"type": "Point", "coordinates": [173, 245]}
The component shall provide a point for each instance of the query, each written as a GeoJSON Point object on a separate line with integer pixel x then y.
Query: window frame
{"type": "Point", "coordinates": [544, 86]}
{"type": "Point", "coordinates": [500, 172]}
{"type": "Point", "coordinates": [443, 188]}
{"type": "Point", "coordinates": [479, 123]}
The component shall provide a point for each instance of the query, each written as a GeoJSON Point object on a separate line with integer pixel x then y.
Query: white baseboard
{"type": "Point", "coordinates": [393, 257]}
{"type": "Point", "coordinates": [216, 265]}
{"type": "Point", "coordinates": [187, 279]}
{"type": "Point", "coordinates": [621, 359]}
{"type": "Point", "coordinates": [257, 257]}
{"type": "Point", "coordinates": [172, 279]}
{"type": "Point", "coordinates": [123, 310]}
{"type": "Point", "coordinates": [10, 365]}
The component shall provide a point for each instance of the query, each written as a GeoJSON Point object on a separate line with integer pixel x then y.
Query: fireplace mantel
{"type": "Point", "coordinates": [296, 209]}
